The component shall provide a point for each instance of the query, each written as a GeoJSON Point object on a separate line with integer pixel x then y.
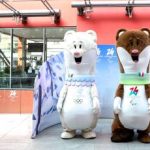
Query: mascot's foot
{"type": "Point", "coordinates": [144, 137]}
{"type": "Point", "coordinates": [68, 134]}
{"type": "Point", "coordinates": [122, 135]}
{"type": "Point", "coordinates": [89, 134]}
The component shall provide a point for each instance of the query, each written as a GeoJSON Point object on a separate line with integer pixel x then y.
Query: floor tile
{"type": "Point", "coordinates": [15, 134]}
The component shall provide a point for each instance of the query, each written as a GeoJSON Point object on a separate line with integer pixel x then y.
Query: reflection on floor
{"type": "Point", "coordinates": [15, 133]}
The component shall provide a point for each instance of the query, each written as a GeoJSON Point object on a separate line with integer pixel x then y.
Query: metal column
{"type": "Point", "coordinates": [11, 56]}
{"type": "Point", "coordinates": [44, 45]}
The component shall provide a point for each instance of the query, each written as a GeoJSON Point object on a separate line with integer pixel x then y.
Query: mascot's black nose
{"type": "Point", "coordinates": [135, 55]}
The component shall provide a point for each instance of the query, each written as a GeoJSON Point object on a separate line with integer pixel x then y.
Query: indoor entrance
{"type": "Point", "coordinates": [22, 52]}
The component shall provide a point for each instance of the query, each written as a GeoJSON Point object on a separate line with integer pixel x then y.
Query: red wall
{"type": "Point", "coordinates": [16, 101]}
{"type": "Point", "coordinates": [68, 14]}
{"type": "Point", "coordinates": [106, 22]}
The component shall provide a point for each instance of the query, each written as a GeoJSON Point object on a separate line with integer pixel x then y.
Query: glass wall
{"type": "Point", "coordinates": [22, 52]}
{"type": "Point", "coordinates": [5, 57]}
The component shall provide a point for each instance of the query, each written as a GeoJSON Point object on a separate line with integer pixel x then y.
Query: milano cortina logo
{"type": "Point", "coordinates": [134, 91]}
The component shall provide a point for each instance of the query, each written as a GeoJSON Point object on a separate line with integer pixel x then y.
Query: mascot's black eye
{"type": "Point", "coordinates": [80, 46]}
{"type": "Point", "coordinates": [131, 43]}
{"type": "Point", "coordinates": [138, 42]}
{"type": "Point", "coordinates": [75, 46]}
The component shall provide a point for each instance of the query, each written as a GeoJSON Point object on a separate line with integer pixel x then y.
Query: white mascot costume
{"type": "Point", "coordinates": [78, 103]}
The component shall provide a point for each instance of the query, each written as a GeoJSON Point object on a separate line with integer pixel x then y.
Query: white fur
{"type": "Point", "coordinates": [117, 105]}
{"type": "Point", "coordinates": [146, 32]}
{"type": "Point", "coordinates": [82, 115]}
{"type": "Point", "coordinates": [134, 107]}
{"type": "Point", "coordinates": [149, 105]}
{"type": "Point", "coordinates": [88, 51]}
{"type": "Point", "coordinates": [62, 97]}
{"type": "Point", "coordinates": [134, 67]}
{"type": "Point", "coordinates": [134, 112]}
{"type": "Point", "coordinates": [78, 116]}
{"type": "Point", "coordinates": [121, 32]}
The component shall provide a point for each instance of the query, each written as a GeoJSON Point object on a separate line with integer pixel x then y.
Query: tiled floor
{"type": "Point", "coordinates": [15, 133]}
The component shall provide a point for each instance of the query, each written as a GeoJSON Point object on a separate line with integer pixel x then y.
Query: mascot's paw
{"type": "Point", "coordinates": [122, 135]}
{"type": "Point", "coordinates": [144, 137]}
{"type": "Point", "coordinates": [96, 105]}
{"type": "Point", "coordinates": [117, 105]}
{"type": "Point", "coordinates": [59, 107]}
{"type": "Point", "coordinates": [95, 110]}
{"type": "Point", "coordinates": [68, 134]}
{"type": "Point", "coordinates": [89, 134]}
{"type": "Point", "coordinates": [149, 105]}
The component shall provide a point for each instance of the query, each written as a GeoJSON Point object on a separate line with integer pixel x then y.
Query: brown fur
{"type": "Point", "coordinates": [133, 40]}
{"type": "Point", "coordinates": [130, 40]}
{"type": "Point", "coordinates": [119, 91]}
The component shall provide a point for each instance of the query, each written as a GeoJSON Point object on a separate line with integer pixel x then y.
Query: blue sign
{"type": "Point", "coordinates": [107, 77]}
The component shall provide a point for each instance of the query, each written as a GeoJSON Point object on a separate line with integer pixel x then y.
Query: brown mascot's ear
{"type": "Point", "coordinates": [146, 31]}
{"type": "Point", "coordinates": [121, 31]}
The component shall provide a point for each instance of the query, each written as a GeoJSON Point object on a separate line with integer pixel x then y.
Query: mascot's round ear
{"type": "Point", "coordinates": [92, 34]}
{"type": "Point", "coordinates": [146, 31]}
{"type": "Point", "coordinates": [120, 32]}
{"type": "Point", "coordinates": [68, 34]}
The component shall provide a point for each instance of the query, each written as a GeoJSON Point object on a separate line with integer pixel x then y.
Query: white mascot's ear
{"type": "Point", "coordinates": [92, 34]}
{"type": "Point", "coordinates": [68, 34]}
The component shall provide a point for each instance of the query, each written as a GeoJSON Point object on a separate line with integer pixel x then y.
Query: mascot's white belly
{"type": "Point", "coordinates": [134, 111]}
{"type": "Point", "coordinates": [77, 110]}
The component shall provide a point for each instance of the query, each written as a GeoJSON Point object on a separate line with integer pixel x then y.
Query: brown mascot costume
{"type": "Point", "coordinates": [132, 98]}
